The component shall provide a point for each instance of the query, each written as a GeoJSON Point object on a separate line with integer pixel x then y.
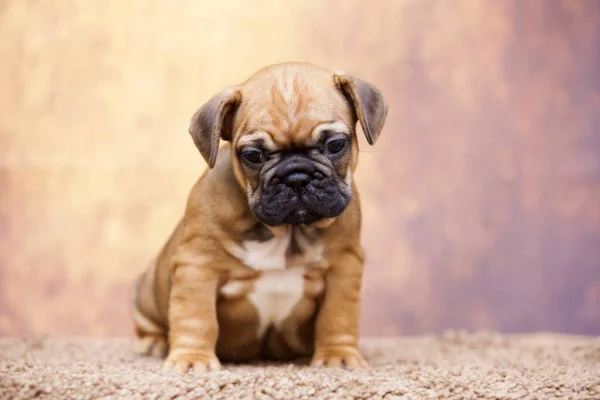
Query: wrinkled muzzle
{"type": "Point", "coordinates": [299, 190]}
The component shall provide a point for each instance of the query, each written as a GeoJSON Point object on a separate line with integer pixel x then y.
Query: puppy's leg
{"type": "Point", "coordinates": [150, 345]}
{"type": "Point", "coordinates": [193, 327]}
{"type": "Point", "coordinates": [151, 339]}
{"type": "Point", "coordinates": [336, 330]}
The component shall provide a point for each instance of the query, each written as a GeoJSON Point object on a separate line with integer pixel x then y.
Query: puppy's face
{"type": "Point", "coordinates": [297, 181]}
{"type": "Point", "coordinates": [292, 129]}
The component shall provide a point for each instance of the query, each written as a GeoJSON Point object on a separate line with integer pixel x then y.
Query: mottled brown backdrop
{"type": "Point", "coordinates": [482, 199]}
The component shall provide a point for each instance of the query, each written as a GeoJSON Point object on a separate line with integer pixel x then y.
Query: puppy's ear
{"type": "Point", "coordinates": [367, 101]}
{"type": "Point", "coordinates": [214, 121]}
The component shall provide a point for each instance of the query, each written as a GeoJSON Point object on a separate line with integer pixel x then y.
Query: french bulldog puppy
{"type": "Point", "coordinates": [266, 262]}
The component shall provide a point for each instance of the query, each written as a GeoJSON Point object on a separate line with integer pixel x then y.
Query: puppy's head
{"type": "Point", "coordinates": [292, 133]}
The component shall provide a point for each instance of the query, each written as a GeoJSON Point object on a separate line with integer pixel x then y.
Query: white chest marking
{"type": "Point", "coordinates": [267, 255]}
{"type": "Point", "coordinates": [275, 295]}
{"type": "Point", "coordinates": [281, 285]}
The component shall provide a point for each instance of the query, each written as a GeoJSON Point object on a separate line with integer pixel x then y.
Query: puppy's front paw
{"type": "Point", "coordinates": [338, 357]}
{"type": "Point", "coordinates": [184, 360]}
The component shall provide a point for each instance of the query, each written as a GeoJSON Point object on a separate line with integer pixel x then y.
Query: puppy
{"type": "Point", "coordinates": [266, 261]}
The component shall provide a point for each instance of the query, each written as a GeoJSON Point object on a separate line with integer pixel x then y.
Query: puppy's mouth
{"type": "Point", "coordinates": [300, 198]}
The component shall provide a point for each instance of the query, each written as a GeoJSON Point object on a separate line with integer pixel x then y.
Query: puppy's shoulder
{"type": "Point", "coordinates": [347, 226]}
{"type": "Point", "coordinates": [217, 194]}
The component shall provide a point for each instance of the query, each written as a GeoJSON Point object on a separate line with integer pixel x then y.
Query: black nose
{"type": "Point", "coordinates": [297, 181]}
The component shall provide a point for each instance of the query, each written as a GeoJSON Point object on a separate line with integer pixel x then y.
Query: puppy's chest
{"type": "Point", "coordinates": [263, 252]}
{"type": "Point", "coordinates": [291, 267]}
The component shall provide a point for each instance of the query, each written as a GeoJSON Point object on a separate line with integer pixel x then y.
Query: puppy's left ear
{"type": "Point", "coordinates": [368, 103]}
{"type": "Point", "coordinates": [213, 122]}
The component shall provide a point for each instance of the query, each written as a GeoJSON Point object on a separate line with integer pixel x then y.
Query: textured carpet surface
{"type": "Point", "coordinates": [451, 366]}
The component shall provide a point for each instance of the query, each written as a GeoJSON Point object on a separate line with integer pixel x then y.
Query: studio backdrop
{"type": "Point", "coordinates": [481, 199]}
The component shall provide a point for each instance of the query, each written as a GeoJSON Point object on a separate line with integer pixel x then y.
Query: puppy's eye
{"type": "Point", "coordinates": [334, 146]}
{"type": "Point", "coordinates": [253, 156]}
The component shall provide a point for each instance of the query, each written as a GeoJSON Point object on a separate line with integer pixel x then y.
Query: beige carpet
{"type": "Point", "coordinates": [450, 366]}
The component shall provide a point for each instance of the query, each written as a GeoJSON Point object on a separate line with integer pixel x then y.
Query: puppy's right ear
{"type": "Point", "coordinates": [214, 121]}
